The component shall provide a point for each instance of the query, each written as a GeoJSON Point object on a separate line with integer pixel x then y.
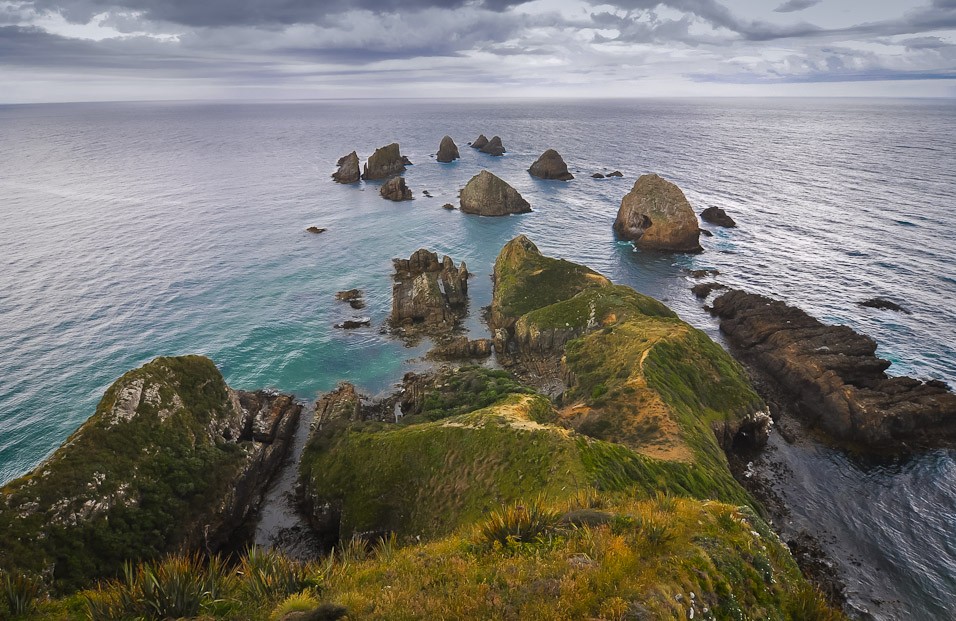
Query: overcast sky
{"type": "Point", "coordinates": [79, 50]}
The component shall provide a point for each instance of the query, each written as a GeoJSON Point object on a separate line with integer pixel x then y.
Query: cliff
{"type": "Point", "coordinates": [172, 459]}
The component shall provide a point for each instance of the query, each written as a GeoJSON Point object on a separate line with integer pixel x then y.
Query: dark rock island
{"type": "Point", "coordinates": [395, 190]}
{"type": "Point", "coordinates": [836, 376]}
{"type": "Point", "coordinates": [716, 215]}
{"type": "Point", "coordinates": [655, 215]}
{"type": "Point", "coordinates": [493, 147]}
{"type": "Point", "coordinates": [386, 162]}
{"type": "Point", "coordinates": [550, 166]}
{"type": "Point", "coordinates": [447, 150]}
{"type": "Point", "coordinates": [487, 195]}
{"type": "Point", "coordinates": [348, 171]}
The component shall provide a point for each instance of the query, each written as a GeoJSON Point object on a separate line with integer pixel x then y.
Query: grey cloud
{"type": "Point", "coordinates": [791, 6]}
{"type": "Point", "coordinates": [214, 13]}
{"type": "Point", "coordinates": [925, 43]}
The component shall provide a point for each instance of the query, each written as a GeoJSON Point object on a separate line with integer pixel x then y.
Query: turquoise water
{"type": "Point", "coordinates": [137, 230]}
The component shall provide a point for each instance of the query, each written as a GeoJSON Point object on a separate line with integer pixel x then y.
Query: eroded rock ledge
{"type": "Point", "coordinates": [428, 293]}
{"type": "Point", "coordinates": [834, 372]}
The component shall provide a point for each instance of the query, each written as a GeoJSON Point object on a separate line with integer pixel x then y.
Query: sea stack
{"type": "Point", "coordinates": [550, 166]}
{"type": "Point", "coordinates": [655, 215]}
{"type": "Point", "coordinates": [494, 147]}
{"type": "Point", "coordinates": [384, 163]}
{"type": "Point", "coordinates": [480, 142]}
{"type": "Point", "coordinates": [348, 171]}
{"type": "Point", "coordinates": [487, 195]}
{"type": "Point", "coordinates": [395, 190]}
{"type": "Point", "coordinates": [426, 291]}
{"type": "Point", "coordinates": [447, 150]}
{"type": "Point", "coordinates": [716, 215]}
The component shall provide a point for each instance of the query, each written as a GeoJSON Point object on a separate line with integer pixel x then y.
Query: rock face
{"type": "Point", "coordinates": [836, 375]}
{"type": "Point", "coordinates": [426, 291]}
{"type": "Point", "coordinates": [348, 171]}
{"type": "Point", "coordinates": [494, 147]}
{"type": "Point", "coordinates": [384, 163]}
{"type": "Point", "coordinates": [395, 190]}
{"type": "Point", "coordinates": [447, 150]}
{"type": "Point", "coordinates": [656, 216]}
{"type": "Point", "coordinates": [462, 348]}
{"type": "Point", "coordinates": [716, 215]}
{"type": "Point", "coordinates": [173, 459]}
{"type": "Point", "coordinates": [487, 195]}
{"type": "Point", "coordinates": [551, 166]}
{"type": "Point", "coordinates": [480, 142]}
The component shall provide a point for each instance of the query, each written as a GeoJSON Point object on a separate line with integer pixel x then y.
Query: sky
{"type": "Point", "coordinates": [108, 50]}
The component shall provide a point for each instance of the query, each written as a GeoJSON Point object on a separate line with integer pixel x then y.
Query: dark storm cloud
{"type": "Point", "coordinates": [791, 6]}
{"type": "Point", "coordinates": [215, 13]}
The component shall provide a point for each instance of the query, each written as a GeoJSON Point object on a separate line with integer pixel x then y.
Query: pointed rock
{"type": "Point", "coordinates": [395, 190]}
{"type": "Point", "coordinates": [550, 166]}
{"type": "Point", "coordinates": [480, 142]}
{"type": "Point", "coordinates": [447, 150]}
{"type": "Point", "coordinates": [494, 147]}
{"type": "Point", "coordinates": [348, 171]}
{"type": "Point", "coordinates": [385, 162]}
{"type": "Point", "coordinates": [487, 195]}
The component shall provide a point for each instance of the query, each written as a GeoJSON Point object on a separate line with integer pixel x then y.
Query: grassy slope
{"type": "Point", "coordinates": [165, 470]}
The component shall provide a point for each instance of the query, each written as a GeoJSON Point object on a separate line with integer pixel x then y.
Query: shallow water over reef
{"type": "Point", "coordinates": [137, 230]}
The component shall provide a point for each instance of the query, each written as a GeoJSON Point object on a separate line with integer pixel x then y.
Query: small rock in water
{"type": "Point", "coordinates": [349, 295]}
{"type": "Point", "coordinates": [426, 193]}
{"type": "Point", "coordinates": [316, 230]}
{"type": "Point", "coordinates": [616, 173]}
{"type": "Point", "coordinates": [351, 324]}
{"type": "Point", "coordinates": [703, 290]}
{"type": "Point", "coordinates": [716, 215]}
{"type": "Point", "coordinates": [597, 176]}
{"type": "Point", "coordinates": [706, 233]}
{"type": "Point", "coordinates": [448, 206]}
{"type": "Point", "coordinates": [883, 304]}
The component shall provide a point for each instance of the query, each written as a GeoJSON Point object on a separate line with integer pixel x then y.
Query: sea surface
{"type": "Point", "coordinates": [136, 230]}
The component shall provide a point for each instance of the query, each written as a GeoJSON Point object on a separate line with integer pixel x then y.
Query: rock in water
{"type": "Point", "coordinates": [315, 230]}
{"type": "Point", "coordinates": [428, 292]}
{"type": "Point", "coordinates": [716, 215]}
{"type": "Point", "coordinates": [616, 173]}
{"type": "Point", "coordinates": [173, 460]}
{"type": "Point", "coordinates": [480, 142]}
{"type": "Point", "coordinates": [487, 195]}
{"type": "Point", "coordinates": [448, 207]}
{"type": "Point", "coordinates": [395, 190]}
{"type": "Point", "coordinates": [597, 176]}
{"type": "Point", "coordinates": [883, 304]}
{"type": "Point", "coordinates": [385, 162]}
{"type": "Point", "coordinates": [494, 147]}
{"type": "Point", "coordinates": [406, 161]}
{"type": "Point", "coordinates": [656, 216]}
{"type": "Point", "coordinates": [348, 171]}
{"type": "Point", "coordinates": [836, 375]}
{"type": "Point", "coordinates": [551, 166]}
{"type": "Point", "coordinates": [447, 150]}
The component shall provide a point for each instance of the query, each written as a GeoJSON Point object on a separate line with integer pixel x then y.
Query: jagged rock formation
{"type": "Point", "coordinates": [354, 297]}
{"type": "Point", "coordinates": [386, 162]}
{"type": "Point", "coordinates": [348, 171]}
{"type": "Point", "coordinates": [406, 161]}
{"type": "Point", "coordinates": [429, 292]}
{"type": "Point", "coordinates": [447, 150]}
{"type": "Point", "coordinates": [716, 215]}
{"type": "Point", "coordinates": [656, 216]}
{"type": "Point", "coordinates": [488, 195]}
{"type": "Point", "coordinates": [551, 166]}
{"type": "Point", "coordinates": [494, 147]}
{"type": "Point", "coordinates": [480, 142]}
{"type": "Point", "coordinates": [173, 459]}
{"type": "Point", "coordinates": [836, 375]}
{"type": "Point", "coordinates": [462, 348]}
{"type": "Point", "coordinates": [395, 190]}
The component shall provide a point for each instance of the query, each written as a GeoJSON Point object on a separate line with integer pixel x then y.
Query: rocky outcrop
{"type": "Point", "coordinates": [429, 292]}
{"type": "Point", "coordinates": [487, 195]}
{"type": "Point", "coordinates": [354, 297]}
{"type": "Point", "coordinates": [386, 162]}
{"type": "Point", "coordinates": [883, 304]}
{"type": "Point", "coordinates": [447, 150]}
{"type": "Point", "coordinates": [597, 176]}
{"type": "Point", "coordinates": [716, 215]}
{"type": "Point", "coordinates": [173, 459]}
{"type": "Point", "coordinates": [448, 207]}
{"type": "Point", "coordinates": [550, 166]}
{"type": "Point", "coordinates": [615, 173]}
{"type": "Point", "coordinates": [494, 147]}
{"type": "Point", "coordinates": [315, 230]}
{"type": "Point", "coordinates": [704, 289]}
{"type": "Point", "coordinates": [834, 372]}
{"type": "Point", "coordinates": [480, 142]}
{"type": "Point", "coordinates": [352, 324]}
{"type": "Point", "coordinates": [395, 190]}
{"type": "Point", "coordinates": [348, 171]}
{"type": "Point", "coordinates": [655, 215]}
{"type": "Point", "coordinates": [462, 348]}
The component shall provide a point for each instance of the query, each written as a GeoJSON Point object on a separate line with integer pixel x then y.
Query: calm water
{"type": "Point", "coordinates": [136, 230]}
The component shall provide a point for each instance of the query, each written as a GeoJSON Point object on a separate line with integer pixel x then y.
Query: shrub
{"type": "Point", "coordinates": [528, 522]}
{"type": "Point", "coordinates": [20, 592]}
{"type": "Point", "coordinates": [268, 575]}
{"type": "Point", "coordinates": [303, 601]}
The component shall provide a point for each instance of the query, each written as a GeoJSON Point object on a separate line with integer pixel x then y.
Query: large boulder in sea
{"type": "Point", "coordinates": [494, 147]}
{"type": "Point", "coordinates": [447, 150]}
{"type": "Point", "coordinates": [384, 163]}
{"type": "Point", "coordinates": [395, 190]}
{"type": "Point", "coordinates": [480, 142]}
{"type": "Point", "coordinates": [428, 291]}
{"type": "Point", "coordinates": [716, 215]}
{"type": "Point", "coordinates": [348, 171]}
{"type": "Point", "coordinates": [655, 215]}
{"type": "Point", "coordinates": [172, 460]}
{"type": "Point", "coordinates": [551, 166]}
{"type": "Point", "coordinates": [488, 195]}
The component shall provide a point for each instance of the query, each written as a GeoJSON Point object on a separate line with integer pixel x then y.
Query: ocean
{"type": "Point", "coordinates": [134, 230]}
